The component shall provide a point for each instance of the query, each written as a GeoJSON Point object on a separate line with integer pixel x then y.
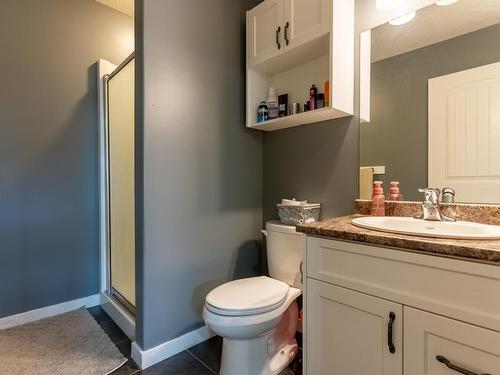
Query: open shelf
{"type": "Point", "coordinates": [309, 50]}
{"type": "Point", "coordinates": [309, 117]}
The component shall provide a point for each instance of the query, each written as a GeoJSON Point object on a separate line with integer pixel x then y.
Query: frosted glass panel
{"type": "Point", "coordinates": [122, 181]}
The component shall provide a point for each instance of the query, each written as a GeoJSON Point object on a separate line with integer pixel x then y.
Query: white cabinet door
{"type": "Point", "coordinates": [348, 332]}
{"type": "Point", "coordinates": [465, 346]}
{"type": "Point", "coordinates": [265, 31]}
{"type": "Point", "coordinates": [305, 20]}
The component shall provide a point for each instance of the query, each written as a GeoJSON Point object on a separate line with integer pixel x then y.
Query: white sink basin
{"type": "Point", "coordinates": [437, 229]}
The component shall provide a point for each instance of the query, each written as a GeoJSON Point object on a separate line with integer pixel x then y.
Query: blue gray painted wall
{"type": "Point", "coordinates": [200, 208]}
{"type": "Point", "coordinates": [48, 147]}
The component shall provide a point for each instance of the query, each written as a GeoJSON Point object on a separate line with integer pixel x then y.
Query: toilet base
{"type": "Point", "coordinates": [251, 357]}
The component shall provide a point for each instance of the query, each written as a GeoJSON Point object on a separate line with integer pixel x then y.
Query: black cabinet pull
{"type": "Point", "coordinates": [287, 41]}
{"type": "Point", "coordinates": [458, 369]}
{"type": "Point", "coordinates": [392, 318]}
{"type": "Point", "coordinates": [278, 30]}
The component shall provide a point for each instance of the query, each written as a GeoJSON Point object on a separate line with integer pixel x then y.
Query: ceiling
{"type": "Point", "coordinates": [124, 6]}
{"type": "Point", "coordinates": [434, 24]}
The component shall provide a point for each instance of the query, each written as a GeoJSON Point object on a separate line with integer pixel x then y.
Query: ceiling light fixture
{"type": "Point", "coordinates": [403, 19]}
{"type": "Point", "coordinates": [385, 5]}
{"type": "Point", "coordinates": [443, 3]}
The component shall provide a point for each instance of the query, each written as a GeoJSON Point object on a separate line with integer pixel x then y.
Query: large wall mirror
{"type": "Point", "coordinates": [430, 101]}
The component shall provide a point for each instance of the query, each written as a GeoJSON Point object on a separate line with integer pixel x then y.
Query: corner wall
{"type": "Point", "coordinates": [201, 204]}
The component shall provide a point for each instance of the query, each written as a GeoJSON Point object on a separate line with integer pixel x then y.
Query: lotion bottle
{"type": "Point", "coordinates": [378, 199]}
{"type": "Point", "coordinates": [394, 193]}
{"type": "Point", "coordinates": [272, 104]}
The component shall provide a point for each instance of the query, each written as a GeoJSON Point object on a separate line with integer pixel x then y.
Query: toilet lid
{"type": "Point", "coordinates": [254, 295]}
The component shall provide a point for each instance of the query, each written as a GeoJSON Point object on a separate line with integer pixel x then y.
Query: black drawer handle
{"type": "Point", "coordinates": [278, 30]}
{"type": "Point", "coordinates": [445, 361]}
{"type": "Point", "coordinates": [392, 318]}
{"type": "Point", "coordinates": [287, 41]}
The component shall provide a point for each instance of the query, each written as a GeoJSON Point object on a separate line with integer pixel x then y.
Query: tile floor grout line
{"type": "Point", "coordinates": [203, 363]}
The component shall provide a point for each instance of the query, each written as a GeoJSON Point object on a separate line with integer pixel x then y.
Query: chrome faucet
{"type": "Point", "coordinates": [430, 206]}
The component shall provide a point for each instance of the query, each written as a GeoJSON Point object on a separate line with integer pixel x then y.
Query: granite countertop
{"type": "Point", "coordinates": [342, 229]}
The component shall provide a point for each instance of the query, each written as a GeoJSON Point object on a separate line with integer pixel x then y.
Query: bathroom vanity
{"type": "Point", "coordinates": [389, 304]}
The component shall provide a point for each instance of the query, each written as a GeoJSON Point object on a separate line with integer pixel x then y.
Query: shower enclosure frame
{"type": "Point", "coordinates": [120, 310]}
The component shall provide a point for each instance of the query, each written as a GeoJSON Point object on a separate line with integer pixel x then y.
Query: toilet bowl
{"type": "Point", "coordinates": [257, 317]}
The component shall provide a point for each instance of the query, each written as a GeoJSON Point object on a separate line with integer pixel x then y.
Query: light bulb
{"type": "Point", "coordinates": [403, 19]}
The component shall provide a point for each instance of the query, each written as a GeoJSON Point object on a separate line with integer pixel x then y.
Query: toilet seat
{"type": "Point", "coordinates": [252, 296]}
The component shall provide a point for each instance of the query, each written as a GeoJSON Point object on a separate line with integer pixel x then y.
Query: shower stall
{"type": "Point", "coordinates": [117, 195]}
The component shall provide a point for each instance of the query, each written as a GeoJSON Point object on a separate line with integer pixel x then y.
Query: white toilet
{"type": "Point", "coordinates": [257, 317]}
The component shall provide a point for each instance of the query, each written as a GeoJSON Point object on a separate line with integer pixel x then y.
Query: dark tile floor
{"type": "Point", "coordinates": [202, 359]}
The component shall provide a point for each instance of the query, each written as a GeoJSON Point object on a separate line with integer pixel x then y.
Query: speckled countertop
{"type": "Point", "coordinates": [342, 229]}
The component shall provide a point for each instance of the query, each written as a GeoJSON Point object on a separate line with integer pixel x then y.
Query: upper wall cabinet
{"type": "Point", "coordinates": [305, 20]}
{"type": "Point", "coordinates": [293, 44]}
{"type": "Point", "coordinates": [265, 24]}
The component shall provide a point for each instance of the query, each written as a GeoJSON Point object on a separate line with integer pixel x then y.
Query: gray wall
{"type": "Point", "coordinates": [315, 162]}
{"type": "Point", "coordinates": [202, 170]}
{"type": "Point", "coordinates": [48, 147]}
{"type": "Point", "coordinates": [397, 134]}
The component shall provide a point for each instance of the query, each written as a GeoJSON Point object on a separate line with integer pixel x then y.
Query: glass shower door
{"type": "Point", "coordinates": [121, 189]}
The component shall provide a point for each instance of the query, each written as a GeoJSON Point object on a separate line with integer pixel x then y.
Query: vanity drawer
{"type": "Point", "coordinates": [463, 290]}
{"type": "Point", "coordinates": [428, 336]}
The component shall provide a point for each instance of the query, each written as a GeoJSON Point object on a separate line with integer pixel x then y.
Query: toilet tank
{"type": "Point", "coordinates": [284, 253]}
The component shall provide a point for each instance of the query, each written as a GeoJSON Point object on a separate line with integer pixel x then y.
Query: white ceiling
{"type": "Point", "coordinates": [124, 6]}
{"type": "Point", "coordinates": [434, 24]}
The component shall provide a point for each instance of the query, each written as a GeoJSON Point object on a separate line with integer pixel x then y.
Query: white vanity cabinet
{"type": "Point", "coordinates": [380, 311]}
{"type": "Point", "coordinates": [429, 336]}
{"type": "Point", "coordinates": [349, 332]}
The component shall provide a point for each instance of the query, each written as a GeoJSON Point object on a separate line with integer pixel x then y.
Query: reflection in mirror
{"type": "Point", "coordinates": [430, 102]}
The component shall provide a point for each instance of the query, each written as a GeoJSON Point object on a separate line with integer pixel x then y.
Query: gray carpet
{"type": "Point", "coordinates": [67, 344]}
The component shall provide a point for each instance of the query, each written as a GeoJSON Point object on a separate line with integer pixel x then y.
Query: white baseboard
{"type": "Point", "coordinates": [47, 312]}
{"type": "Point", "coordinates": [147, 358]}
{"type": "Point", "coordinates": [119, 315]}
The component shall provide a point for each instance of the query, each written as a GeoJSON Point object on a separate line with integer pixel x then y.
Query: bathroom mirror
{"type": "Point", "coordinates": [430, 101]}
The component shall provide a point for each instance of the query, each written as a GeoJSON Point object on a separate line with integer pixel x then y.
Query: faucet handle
{"type": "Point", "coordinates": [431, 195]}
{"type": "Point", "coordinates": [448, 195]}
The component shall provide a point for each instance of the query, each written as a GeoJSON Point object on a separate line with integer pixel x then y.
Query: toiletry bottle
{"type": "Point", "coordinates": [294, 108]}
{"type": "Point", "coordinates": [262, 114]}
{"type": "Point", "coordinates": [313, 96]}
{"type": "Point", "coordinates": [394, 193]}
{"type": "Point", "coordinates": [272, 104]}
{"type": "Point", "coordinates": [320, 103]}
{"type": "Point", "coordinates": [327, 93]}
{"type": "Point", "coordinates": [378, 200]}
{"type": "Point", "coordinates": [283, 105]}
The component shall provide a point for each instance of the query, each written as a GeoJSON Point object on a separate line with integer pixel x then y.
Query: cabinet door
{"type": "Point", "coordinates": [348, 332]}
{"type": "Point", "coordinates": [466, 346]}
{"type": "Point", "coordinates": [305, 20]}
{"type": "Point", "coordinates": [265, 31]}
